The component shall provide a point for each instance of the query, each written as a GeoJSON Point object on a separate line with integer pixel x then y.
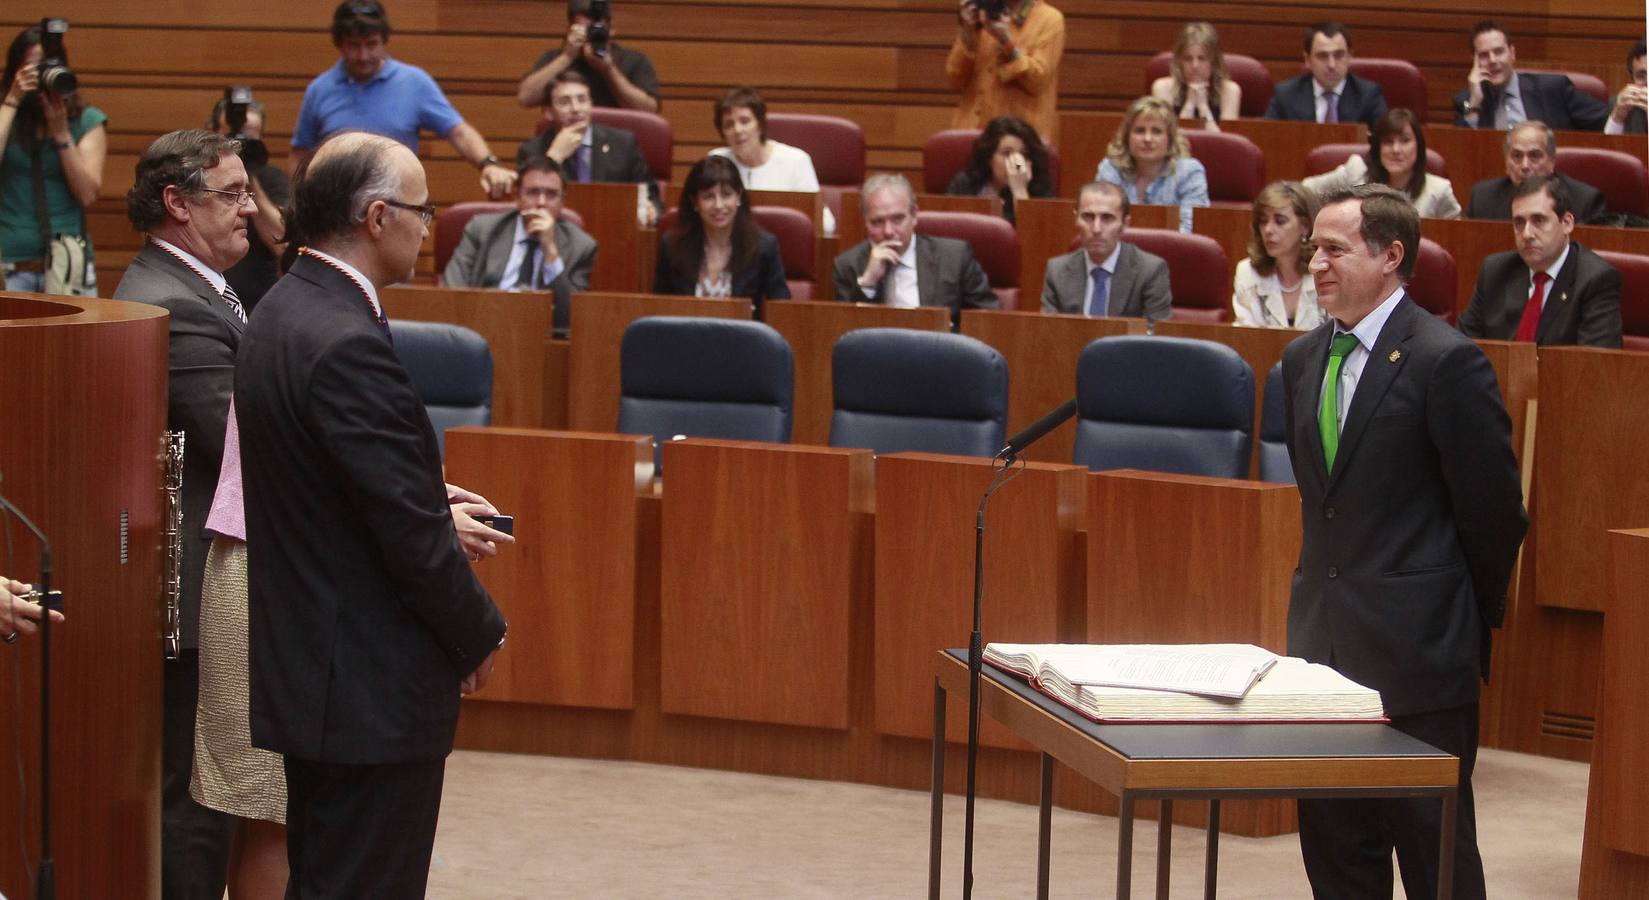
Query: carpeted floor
{"type": "Point", "coordinates": [541, 827]}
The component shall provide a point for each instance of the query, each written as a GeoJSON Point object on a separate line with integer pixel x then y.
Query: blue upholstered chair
{"type": "Point", "coordinates": [1165, 404]}
{"type": "Point", "coordinates": [1274, 462]}
{"type": "Point", "coordinates": [451, 369]}
{"type": "Point", "coordinates": [712, 378]}
{"type": "Point", "coordinates": [900, 390]}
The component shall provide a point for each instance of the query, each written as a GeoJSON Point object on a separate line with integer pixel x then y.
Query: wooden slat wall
{"type": "Point", "coordinates": [155, 67]}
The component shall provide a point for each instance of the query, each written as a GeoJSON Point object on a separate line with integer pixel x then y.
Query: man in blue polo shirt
{"type": "Point", "coordinates": [368, 90]}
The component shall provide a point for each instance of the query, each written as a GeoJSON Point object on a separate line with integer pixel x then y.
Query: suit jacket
{"type": "Point", "coordinates": [484, 251]}
{"type": "Point", "coordinates": [1492, 199]}
{"type": "Point", "coordinates": [1552, 99]}
{"type": "Point", "coordinates": [364, 614]}
{"type": "Point", "coordinates": [1361, 100]}
{"type": "Point", "coordinates": [1409, 543]}
{"type": "Point", "coordinates": [761, 281]}
{"type": "Point", "coordinates": [614, 156]}
{"type": "Point", "coordinates": [1582, 303]}
{"type": "Point", "coordinates": [203, 335]}
{"type": "Point", "coordinates": [1637, 121]}
{"type": "Point", "coordinates": [946, 275]}
{"type": "Point", "coordinates": [1139, 287]}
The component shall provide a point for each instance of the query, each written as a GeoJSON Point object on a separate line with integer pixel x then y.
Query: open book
{"type": "Point", "coordinates": [1187, 683]}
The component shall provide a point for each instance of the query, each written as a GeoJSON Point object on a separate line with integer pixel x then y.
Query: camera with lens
{"type": "Point", "coordinates": [55, 77]}
{"type": "Point", "coordinates": [236, 100]}
{"type": "Point", "coordinates": [600, 32]}
{"type": "Point", "coordinates": [992, 9]}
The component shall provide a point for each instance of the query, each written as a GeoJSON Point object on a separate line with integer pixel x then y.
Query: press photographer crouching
{"type": "Point", "coordinates": [239, 115]}
{"type": "Point", "coordinates": [51, 168]}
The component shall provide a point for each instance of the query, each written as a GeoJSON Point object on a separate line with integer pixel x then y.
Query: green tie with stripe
{"type": "Point", "coordinates": [1328, 414]}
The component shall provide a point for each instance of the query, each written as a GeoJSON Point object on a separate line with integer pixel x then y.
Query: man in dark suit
{"type": "Point", "coordinates": [897, 267]}
{"type": "Point", "coordinates": [1106, 276]}
{"type": "Point", "coordinates": [1629, 114]}
{"type": "Point", "coordinates": [1550, 290]}
{"type": "Point", "coordinates": [366, 623]}
{"type": "Point", "coordinates": [190, 196]}
{"type": "Point", "coordinates": [1329, 92]}
{"type": "Point", "coordinates": [1531, 150]}
{"type": "Point", "coordinates": [1498, 96]}
{"type": "Point", "coordinates": [587, 151]}
{"type": "Point", "coordinates": [1412, 520]}
{"type": "Point", "coordinates": [532, 248]}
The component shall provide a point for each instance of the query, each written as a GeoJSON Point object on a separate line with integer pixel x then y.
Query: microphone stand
{"type": "Point", "coordinates": [45, 876]}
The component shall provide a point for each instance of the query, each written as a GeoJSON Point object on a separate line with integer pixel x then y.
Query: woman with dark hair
{"type": "Point", "coordinates": [1197, 84]}
{"type": "Point", "coordinates": [1273, 287]}
{"type": "Point", "coordinates": [716, 249]}
{"type": "Point", "coordinates": [1396, 157]}
{"type": "Point", "coordinates": [1010, 161]}
{"type": "Point", "coordinates": [51, 169]}
{"type": "Point", "coordinates": [763, 163]}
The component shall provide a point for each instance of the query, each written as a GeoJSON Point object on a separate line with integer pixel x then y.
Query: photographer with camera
{"type": "Point", "coordinates": [239, 116]}
{"type": "Point", "coordinates": [1005, 61]}
{"type": "Point", "coordinates": [618, 76]}
{"type": "Point", "coordinates": [51, 167]}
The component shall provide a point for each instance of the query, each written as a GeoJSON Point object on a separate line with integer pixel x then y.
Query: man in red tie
{"type": "Point", "coordinates": [1550, 290]}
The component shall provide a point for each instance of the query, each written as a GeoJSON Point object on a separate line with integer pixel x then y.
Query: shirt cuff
{"type": "Point", "coordinates": [552, 271]}
{"type": "Point", "coordinates": [1610, 126]}
{"type": "Point", "coordinates": [869, 292]}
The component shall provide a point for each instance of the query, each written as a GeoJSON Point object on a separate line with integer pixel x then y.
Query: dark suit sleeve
{"type": "Point", "coordinates": [845, 279]}
{"type": "Point", "coordinates": [1471, 321]}
{"type": "Point", "coordinates": [663, 278]}
{"type": "Point", "coordinates": [637, 172]}
{"type": "Point", "coordinates": [532, 148]}
{"type": "Point", "coordinates": [1377, 102]}
{"type": "Point", "coordinates": [975, 287]}
{"type": "Point", "coordinates": [1600, 313]}
{"type": "Point", "coordinates": [773, 285]}
{"type": "Point", "coordinates": [1274, 109]}
{"type": "Point", "coordinates": [1586, 113]}
{"type": "Point", "coordinates": [462, 268]}
{"type": "Point", "coordinates": [1459, 106]}
{"type": "Point", "coordinates": [1156, 296]}
{"type": "Point", "coordinates": [1597, 208]}
{"type": "Point", "coordinates": [1472, 433]}
{"type": "Point", "coordinates": [372, 423]}
{"type": "Point", "coordinates": [201, 368]}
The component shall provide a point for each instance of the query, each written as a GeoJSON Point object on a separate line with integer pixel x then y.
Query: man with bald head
{"type": "Point", "coordinates": [366, 621]}
{"type": "Point", "coordinates": [1531, 149]}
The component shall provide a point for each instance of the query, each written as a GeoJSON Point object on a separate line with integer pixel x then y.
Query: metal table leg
{"type": "Point", "coordinates": [1165, 845]}
{"type": "Point", "coordinates": [1125, 846]}
{"type": "Point", "coordinates": [1445, 850]}
{"type": "Point", "coordinates": [1044, 827]}
{"type": "Point", "coordinates": [936, 817]}
{"type": "Point", "coordinates": [1210, 877]}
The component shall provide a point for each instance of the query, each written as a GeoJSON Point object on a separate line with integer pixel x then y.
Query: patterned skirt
{"type": "Point", "coordinates": [230, 775]}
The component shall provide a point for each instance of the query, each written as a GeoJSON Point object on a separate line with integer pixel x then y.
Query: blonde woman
{"type": "Point", "coordinates": [1151, 161]}
{"type": "Point", "coordinates": [1197, 84]}
{"type": "Point", "coordinates": [1273, 287]}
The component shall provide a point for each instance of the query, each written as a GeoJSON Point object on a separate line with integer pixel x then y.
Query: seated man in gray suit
{"type": "Point", "coordinates": [1106, 276]}
{"type": "Point", "coordinates": [897, 267]}
{"type": "Point", "coordinates": [530, 249]}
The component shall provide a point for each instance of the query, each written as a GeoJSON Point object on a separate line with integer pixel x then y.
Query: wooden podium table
{"type": "Point", "coordinates": [1193, 762]}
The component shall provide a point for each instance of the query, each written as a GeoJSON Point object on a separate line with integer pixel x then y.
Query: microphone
{"type": "Point", "coordinates": [1034, 432]}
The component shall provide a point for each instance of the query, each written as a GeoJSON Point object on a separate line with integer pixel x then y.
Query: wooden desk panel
{"type": "Point", "coordinates": [598, 322]}
{"type": "Point", "coordinates": [1588, 477]}
{"type": "Point", "coordinates": [609, 213]}
{"type": "Point", "coordinates": [568, 585]}
{"type": "Point", "coordinates": [812, 329]}
{"type": "Point", "coordinates": [763, 560]}
{"type": "Point", "coordinates": [925, 511]}
{"type": "Point", "coordinates": [1261, 348]}
{"type": "Point", "coordinates": [1041, 351]}
{"type": "Point", "coordinates": [516, 326]}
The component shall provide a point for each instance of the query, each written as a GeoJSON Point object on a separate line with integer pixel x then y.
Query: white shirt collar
{"type": "Point", "coordinates": [1110, 263]}
{"type": "Point", "coordinates": [1557, 264]}
{"type": "Point", "coordinates": [213, 276]}
{"type": "Point", "coordinates": [362, 280]}
{"type": "Point", "coordinates": [1368, 330]}
{"type": "Point", "coordinates": [908, 258]}
{"type": "Point", "coordinates": [1318, 90]}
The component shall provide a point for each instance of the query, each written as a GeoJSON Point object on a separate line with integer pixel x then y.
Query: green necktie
{"type": "Point", "coordinates": [1328, 414]}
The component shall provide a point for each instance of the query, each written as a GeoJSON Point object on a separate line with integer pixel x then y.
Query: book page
{"type": "Point", "coordinates": [1222, 670]}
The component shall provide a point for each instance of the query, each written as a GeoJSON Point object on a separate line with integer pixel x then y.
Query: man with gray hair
{"type": "Point", "coordinates": [897, 267]}
{"type": "Point", "coordinates": [1531, 149]}
{"type": "Point", "coordinates": [367, 623]}
{"type": "Point", "coordinates": [190, 197]}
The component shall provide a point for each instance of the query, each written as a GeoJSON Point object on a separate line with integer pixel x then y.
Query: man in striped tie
{"type": "Point", "coordinates": [190, 199]}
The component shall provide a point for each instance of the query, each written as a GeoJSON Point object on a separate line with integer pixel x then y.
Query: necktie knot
{"type": "Point", "coordinates": [1540, 279]}
{"type": "Point", "coordinates": [1344, 343]}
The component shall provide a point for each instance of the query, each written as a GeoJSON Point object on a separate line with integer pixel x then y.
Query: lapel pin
{"type": "Point", "coordinates": [605, 148]}
{"type": "Point", "coordinates": [1563, 297]}
{"type": "Point", "coordinates": [1395, 355]}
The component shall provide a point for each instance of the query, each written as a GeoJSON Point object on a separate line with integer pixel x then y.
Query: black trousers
{"type": "Point", "coordinates": [194, 840]}
{"type": "Point", "coordinates": [1347, 844]}
{"type": "Point", "coordinates": [360, 831]}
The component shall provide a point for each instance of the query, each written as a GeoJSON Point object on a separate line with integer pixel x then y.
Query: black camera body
{"type": "Point", "coordinates": [236, 100]}
{"type": "Point", "coordinates": [53, 68]}
{"type": "Point", "coordinates": [600, 32]}
{"type": "Point", "coordinates": [992, 9]}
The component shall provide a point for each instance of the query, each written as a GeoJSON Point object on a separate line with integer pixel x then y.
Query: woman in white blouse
{"type": "Point", "coordinates": [764, 165]}
{"type": "Point", "coordinates": [1273, 286]}
{"type": "Point", "coordinates": [1396, 157]}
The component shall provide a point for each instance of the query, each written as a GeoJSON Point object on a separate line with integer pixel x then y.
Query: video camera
{"type": "Point", "coordinates": [600, 32]}
{"type": "Point", "coordinates": [992, 9]}
{"type": "Point", "coordinates": [53, 67]}
{"type": "Point", "coordinates": [236, 99]}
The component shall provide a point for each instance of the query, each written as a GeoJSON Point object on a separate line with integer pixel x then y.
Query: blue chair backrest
{"type": "Point", "coordinates": [1164, 404]}
{"type": "Point", "coordinates": [698, 377]}
{"type": "Point", "coordinates": [451, 369]}
{"type": "Point", "coordinates": [900, 390]}
{"type": "Point", "coordinates": [1274, 461]}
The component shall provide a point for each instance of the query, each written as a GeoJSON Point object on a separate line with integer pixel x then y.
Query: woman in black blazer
{"type": "Point", "coordinates": [715, 248]}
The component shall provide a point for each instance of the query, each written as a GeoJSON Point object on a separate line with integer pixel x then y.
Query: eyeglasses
{"type": "Point", "coordinates": [240, 196]}
{"type": "Point", "coordinates": [425, 211]}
